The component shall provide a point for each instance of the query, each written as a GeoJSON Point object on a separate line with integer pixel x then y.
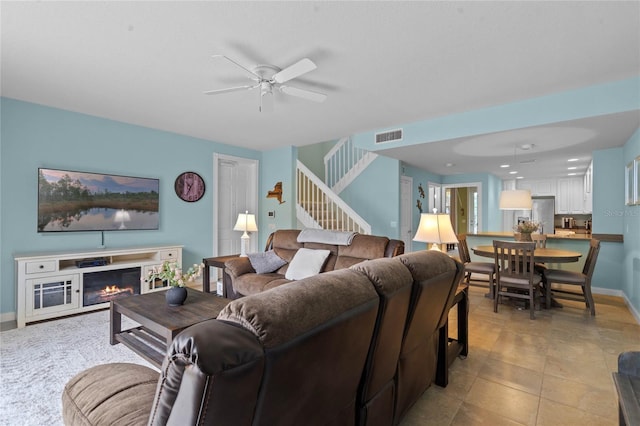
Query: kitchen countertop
{"type": "Point", "coordinates": [613, 238]}
{"type": "Point", "coordinates": [499, 234]}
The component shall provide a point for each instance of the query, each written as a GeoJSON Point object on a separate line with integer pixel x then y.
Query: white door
{"type": "Point", "coordinates": [406, 204]}
{"type": "Point", "coordinates": [236, 192]}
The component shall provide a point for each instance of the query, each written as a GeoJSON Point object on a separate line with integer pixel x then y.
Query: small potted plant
{"type": "Point", "coordinates": [523, 231]}
{"type": "Point", "coordinates": [176, 279]}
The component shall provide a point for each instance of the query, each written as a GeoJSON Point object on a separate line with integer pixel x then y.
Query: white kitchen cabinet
{"type": "Point", "coordinates": [570, 198]}
{"type": "Point", "coordinates": [539, 187]}
{"type": "Point", "coordinates": [573, 194]}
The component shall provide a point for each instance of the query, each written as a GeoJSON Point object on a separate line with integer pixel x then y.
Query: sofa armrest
{"type": "Point", "coordinates": [394, 248]}
{"type": "Point", "coordinates": [211, 374]}
{"type": "Point", "coordinates": [238, 266]}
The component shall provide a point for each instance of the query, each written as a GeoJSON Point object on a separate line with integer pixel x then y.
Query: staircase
{"type": "Point", "coordinates": [318, 206]}
{"type": "Point", "coordinates": [344, 163]}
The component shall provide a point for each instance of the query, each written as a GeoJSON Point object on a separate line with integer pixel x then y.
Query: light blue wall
{"type": "Point", "coordinates": [631, 232]}
{"type": "Point", "coordinates": [312, 156]}
{"type": "Point", "coordinates": [608, 216]}
{"type": "Point", "coordinates": [278, 165]}
{"type": "Point", "coordinates": [420, 178]}
{"type": "Point", "coordinates": [34, 136]}
{"type": "Point", "coordinates": [608, 205]}
{"type": "Point", "coordinates": [375, 195]}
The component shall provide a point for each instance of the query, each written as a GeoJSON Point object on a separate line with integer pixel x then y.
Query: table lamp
{"type": "Point", "coordinates": [247, 223]}
{"type": "Point", "coordinates": [435, 228]}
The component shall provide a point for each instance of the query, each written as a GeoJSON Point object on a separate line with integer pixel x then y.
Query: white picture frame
{"type": "Point", "coordinates": [636, 179]}
{"type": "Point", "coordinates": [632, 183]}
{"type": "Point", "coordinates": [628, 184]}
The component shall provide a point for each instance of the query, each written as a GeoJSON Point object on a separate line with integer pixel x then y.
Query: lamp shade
{"type": "Point", "coordinates": [436, 229]}
{"type": "Point", "coordinates": [246, 222]}
{"type": "Point", "coordinates": [516, 199]}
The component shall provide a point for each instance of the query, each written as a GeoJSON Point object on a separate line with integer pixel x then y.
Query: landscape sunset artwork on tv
{"type": "Point", "coordinates": [80, 201]}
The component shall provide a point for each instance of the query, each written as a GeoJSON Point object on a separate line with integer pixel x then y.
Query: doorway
{"type": "Point", "coordinates": [236, 191]}
{"type": "Point", "coordinates": [463, 203]}
{"type": "Point", "coordinates": [406, 206]}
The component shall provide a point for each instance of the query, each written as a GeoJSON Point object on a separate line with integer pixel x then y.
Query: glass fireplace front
{"type": "Point", "coordinates": [104, 286]}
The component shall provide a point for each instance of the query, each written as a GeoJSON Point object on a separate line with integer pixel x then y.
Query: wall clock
{"type": "Point", "coordinates": [189, 186]}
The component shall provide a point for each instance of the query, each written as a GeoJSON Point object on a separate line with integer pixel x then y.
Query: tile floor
{"type": "Point", "coordinates": [554, 370]}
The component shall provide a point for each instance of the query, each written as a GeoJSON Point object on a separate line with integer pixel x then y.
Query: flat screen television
{"type": "Point", "coordinates": [81, 201]}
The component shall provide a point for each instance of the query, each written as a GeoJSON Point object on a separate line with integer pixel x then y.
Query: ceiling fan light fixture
{"type": "Point", "coordinates": [266, 97]}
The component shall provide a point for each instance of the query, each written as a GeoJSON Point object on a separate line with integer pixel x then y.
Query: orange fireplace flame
{"type": "Point", "coordinates": [110, 289]}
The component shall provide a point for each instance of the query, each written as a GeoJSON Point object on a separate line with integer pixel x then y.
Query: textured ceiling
{"type": "Point", "coordinates": [380, 63]}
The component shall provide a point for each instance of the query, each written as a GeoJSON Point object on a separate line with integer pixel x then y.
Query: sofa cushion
{"type": "Point", "coordinates": [247, 284]}
{"type": "Point", "coordinates": [265, 262]}
{"type": "Point", "coordinates": [306, 263]}
{"type": "Point", "coordinates": [293, 310]}
{"type": "Point", "coordinates": [363, 247]}
{"type": "Point", "coordinates": [316, 334]}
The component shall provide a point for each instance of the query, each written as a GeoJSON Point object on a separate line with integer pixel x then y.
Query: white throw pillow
{"type": "Point", "coordinates": [306, 263]}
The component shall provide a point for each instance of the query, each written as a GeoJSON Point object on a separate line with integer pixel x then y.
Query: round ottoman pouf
{"type": "Point", "coordinates": [110, 394]}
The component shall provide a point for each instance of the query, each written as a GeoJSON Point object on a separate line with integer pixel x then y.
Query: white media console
{"type": "Point", "coordinates": [52, 285]}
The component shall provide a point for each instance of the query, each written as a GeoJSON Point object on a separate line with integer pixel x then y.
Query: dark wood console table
{"type": "Point", "coordinates": [449, 348]}
{"type": "Point", "coordinates": [216, 262]}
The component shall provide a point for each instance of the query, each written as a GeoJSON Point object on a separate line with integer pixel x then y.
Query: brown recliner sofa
{"type": "Point", "coordinates": [329, 349]}
{"type": "Point", "coordinates": [242, 279]}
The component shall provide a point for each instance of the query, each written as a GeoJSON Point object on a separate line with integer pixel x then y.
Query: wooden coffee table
{"type": "Point", "coordinates": [159, 322]}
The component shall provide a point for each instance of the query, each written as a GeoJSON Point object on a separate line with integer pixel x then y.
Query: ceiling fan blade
{"type": "Point", "coordinates": [251, 75]}
{"type": "Point", "coordinates": [227, 90]}
{"type": "Point", "coordinates": [303, 93]}
{"type": "Point", "coordinates": [301, 67]}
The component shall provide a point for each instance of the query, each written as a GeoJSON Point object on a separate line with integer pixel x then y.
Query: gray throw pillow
{"type": "Point", "coordinates": [266, 262]}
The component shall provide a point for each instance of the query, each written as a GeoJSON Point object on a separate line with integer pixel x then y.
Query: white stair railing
{"type": "Point", "coordinates": [317, 206]}
{"type": "Point", "coordinates": [344, 162]}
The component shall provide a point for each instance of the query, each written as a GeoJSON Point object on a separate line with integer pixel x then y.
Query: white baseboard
{"type": "Point", "coordinates": [618, 293]}
{"type": "Point", "coordinates": [8, 316]}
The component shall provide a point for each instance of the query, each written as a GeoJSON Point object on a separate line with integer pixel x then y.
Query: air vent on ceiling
{"type": "Point", "coordinates": [390, 136]}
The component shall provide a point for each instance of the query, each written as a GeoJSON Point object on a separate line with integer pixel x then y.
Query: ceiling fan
{"type": "Point", "coordinates": [269, 77]}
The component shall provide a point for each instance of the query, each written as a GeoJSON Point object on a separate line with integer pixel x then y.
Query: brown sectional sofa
{"type": "Point", "coordinates": [242, 279]}
{"type": "Point", "coordinates": [355, 346]}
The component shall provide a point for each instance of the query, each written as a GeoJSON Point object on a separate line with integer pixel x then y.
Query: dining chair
{"type": "Point", "coordinates": [541, 242]}
{"type": "Point", "coordinates": [583, 279]}
{"type": "Point", "coordinates": [515, 273]}
{"type": "Point", "coordinates": [484, 268]}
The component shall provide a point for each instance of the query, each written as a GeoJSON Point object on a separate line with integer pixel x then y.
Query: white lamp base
{"type": "Point", "coordinates": [244, 244]}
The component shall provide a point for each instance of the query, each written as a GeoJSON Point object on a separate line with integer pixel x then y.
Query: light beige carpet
{"type": "Point", "coordinates": [38, 360]}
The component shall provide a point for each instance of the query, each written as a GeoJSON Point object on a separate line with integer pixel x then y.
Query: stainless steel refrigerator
{"type": "Point", "coordinates": [543, 211]}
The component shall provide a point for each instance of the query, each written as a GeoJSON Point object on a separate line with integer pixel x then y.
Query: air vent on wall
{"type": "Point", "coordinates": [390, 136]}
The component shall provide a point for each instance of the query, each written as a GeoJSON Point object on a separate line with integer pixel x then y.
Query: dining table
{"type": "Point", "coordinates": [540, 255]}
